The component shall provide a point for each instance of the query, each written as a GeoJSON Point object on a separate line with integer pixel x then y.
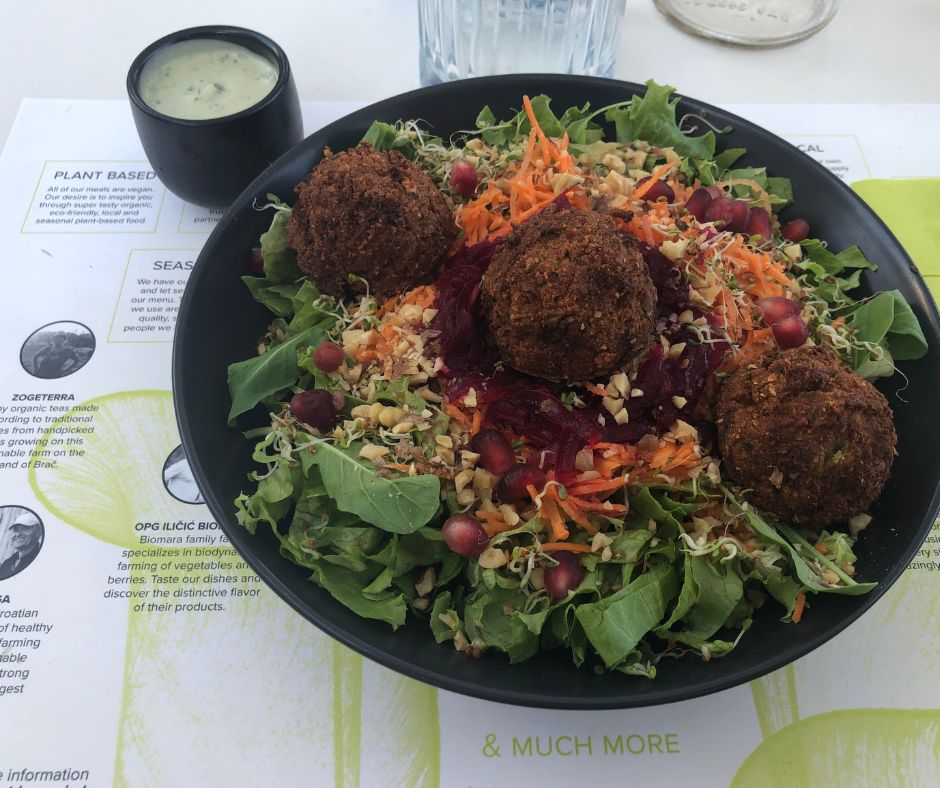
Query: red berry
{"type": "Point", "coordinates": [565, 577]}
{"type": "Point", "coordinates": [657, 190]}
{"type": "Point", "coordinates": [328, 356]}
{"type": "Point", "coordinates": [775, 308]}
{"type": "Point", "coordinates": [795, 231]}
{"type": "Point", "coordinates": [697, 204]}
{"type": "Point", "coordinates": [732, 212]}
{"type": "Point", "coordinates": [512, 486]}
{"type": "Point", "coordinates": [758, 223]}
{"type": "Point", "coordinates": [255, 261]}
{"type": "Point", "coordinates": [496, 456]}
{"type": "Point", "coordinates": [790, 332]}
{"type": "Point", "coordinates": [464, 535]}
{"type": "Point", "coordinates": [316, 408]}
{"type": "Point", "coordinates": [463, 177]}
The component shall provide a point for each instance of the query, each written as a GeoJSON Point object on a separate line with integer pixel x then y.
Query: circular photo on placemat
{"type": "Point", "coordinates": [178, 478]}
{"type": "Point", "coordinates": [21, 538]}
{"type": "Point", "coordinates": [57, 349]}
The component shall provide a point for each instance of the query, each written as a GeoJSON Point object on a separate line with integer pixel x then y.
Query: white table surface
{"type": "Point", "coordinates": [873, 51]}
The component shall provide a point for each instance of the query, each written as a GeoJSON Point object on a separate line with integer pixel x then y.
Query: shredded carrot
{"type": "Point", "coordinates": [654, 176]}
{"type": "Point", "coordinates": [493, 528]}
{"type": "Point", "coordinates": [595, 389]}
{"type": "Point", "coordinates": [457, 414]}
{"type": "Point", "coordinates": [475, 425]}
{"type": "Point", "coordinates": [596, 485]}
{"type": "Point", "coordinates": [602, 507]}
{"type": "Point", "coordinates": [798, 608]}
{"type": "Point", "coordinates": [570, 507]}
{"type": "Point", "coordinates": [565, 547]}
{"type": "Point", "coordinates": [556, 522]}
{"type": "Point", "coordinates": [398, 466]}
{"type": "Point", "coordinates": [490, 515]}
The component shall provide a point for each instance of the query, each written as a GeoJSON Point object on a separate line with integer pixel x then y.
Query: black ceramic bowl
{"type": "Point", "coordinates": [210, 162]}
{"type": "Point", "coordinates": [219, 323]}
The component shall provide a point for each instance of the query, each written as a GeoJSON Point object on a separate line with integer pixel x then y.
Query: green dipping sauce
{"type": "Point", "coordinates": [204, 79]}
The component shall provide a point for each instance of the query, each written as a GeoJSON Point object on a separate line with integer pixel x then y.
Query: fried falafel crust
{"type": "Point", "coordinates": [568, 296]}
{"type": "Point", "coordinates": [812, 440]}
{"type": "Point", "coordinates": [373, 214]}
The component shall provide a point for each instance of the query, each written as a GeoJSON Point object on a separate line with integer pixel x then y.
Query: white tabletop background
{"type": "Point", "coordinates": [873, 51]}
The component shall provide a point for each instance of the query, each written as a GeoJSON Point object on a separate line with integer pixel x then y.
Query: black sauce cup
{"type": "Point", "coordinates": [210, 162]}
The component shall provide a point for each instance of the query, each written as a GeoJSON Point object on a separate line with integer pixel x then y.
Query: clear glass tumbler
{"type": "Point", "coordinates": [473, 38]}
{"type": "Point", "coordinates": [751, 22]}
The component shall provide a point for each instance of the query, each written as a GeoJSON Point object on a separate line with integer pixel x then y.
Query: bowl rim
{"type": "Point", "coordinates": [440, 678]}
{"type": "Point", "coordinates": [230, 33]}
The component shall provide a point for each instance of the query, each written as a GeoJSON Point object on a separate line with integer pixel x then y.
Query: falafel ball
{"type": "Point", "coordinates": [568, 296]}
{"type": "Point", "coordinates": [812, 440]}
{"type": "Point", "coordinates": [370, 213]}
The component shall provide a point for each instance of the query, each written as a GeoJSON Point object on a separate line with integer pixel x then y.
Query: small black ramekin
{"type": "Point", "coordinates": [210, 162]}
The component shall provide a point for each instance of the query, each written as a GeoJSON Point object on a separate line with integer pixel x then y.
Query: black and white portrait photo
{"type": "Point", "coordinates": [21, 539]}
{"type": "Point", "coordinates": [178, 478]}
{"type": "Point", "coordinates": [57, 349]}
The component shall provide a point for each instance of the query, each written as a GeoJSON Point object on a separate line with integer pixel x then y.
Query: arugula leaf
{"type": "Point", "coordinates": [615, 624]}
{"type": "Point", "coordinates": [252, 380]}
{"type": "Point", "coordinates": [728, 157]}
{"type": "Point", "coordinates": [652, 118]}
{"type": "Point", "coordinates": [780, 190]}
{"type": "Point", "coordinates": [400, 505]}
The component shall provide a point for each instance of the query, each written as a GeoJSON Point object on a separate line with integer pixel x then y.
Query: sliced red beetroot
{"type": "Point", "coordinates": [672, 291]}
{"type": "Point", "coordinates": [459, 319]}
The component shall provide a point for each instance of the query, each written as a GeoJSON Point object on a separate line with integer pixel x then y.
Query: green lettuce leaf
{"type": "Point", "coordinates": [280, 262]}
{"type": "Point", "coordinates": [652, 118]}
{"type": "Point", "coordinates": [279, 298]}
{"type": "Point", "coordinates": [710, 592]}
{"type": "Point", "coordinates": [388, 136]}
{"type": "Point", "coordinates": [614, 625]}
{"type": "Point", "coordinates": [347, 587]}
{"type": "Point", "coordinates": [445, 621]}
{"type": "Point", "coordinates": [485, 617]}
